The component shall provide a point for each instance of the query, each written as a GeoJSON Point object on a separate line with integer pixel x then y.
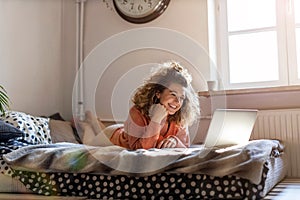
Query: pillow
{"type": "Point", "coordinates": [36, 129]}
{"type": "Point", "coordinates": [57, 116]}
{"type": "Point", "coordinates": [7, 132]}
{"type": "Point", "coordinates": [61, 131]}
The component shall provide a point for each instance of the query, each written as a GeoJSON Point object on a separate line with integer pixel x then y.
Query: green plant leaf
{"type": "Point", "coordinates": [4, 100]}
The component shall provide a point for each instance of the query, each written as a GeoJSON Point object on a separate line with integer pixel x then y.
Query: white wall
{"type": "Point", "coordinates": [30, 54]}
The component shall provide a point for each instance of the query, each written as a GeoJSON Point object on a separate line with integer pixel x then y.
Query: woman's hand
{"type": "Point", "coordinates": [167, 143]}
{"type": "Point", "coordinates": [157, 113]}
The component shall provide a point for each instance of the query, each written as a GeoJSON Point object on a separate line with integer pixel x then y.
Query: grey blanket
{"type": "Point", "coordinates": [243, 161]}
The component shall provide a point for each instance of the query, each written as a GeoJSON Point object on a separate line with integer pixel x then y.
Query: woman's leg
{"type": "Point", "coordinates": [96, 124]}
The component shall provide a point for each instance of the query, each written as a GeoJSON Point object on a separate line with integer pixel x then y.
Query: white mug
{"type": "Point", "coordinates": [212, 85]}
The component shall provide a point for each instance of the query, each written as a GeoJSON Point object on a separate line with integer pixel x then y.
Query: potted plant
{"type": "Point", "coordinates": [4, 100]}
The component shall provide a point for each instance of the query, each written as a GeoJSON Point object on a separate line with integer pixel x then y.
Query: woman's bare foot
{"type": "Point", "coordinates": [87, 132]}
{"type": "Point", "coordinates": [96, 124]}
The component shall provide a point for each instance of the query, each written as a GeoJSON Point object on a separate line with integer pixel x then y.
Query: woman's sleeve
{"type": "Point", "coordinates": [182, 137]}
{"type": "Point", "coordinates": [140, 133]}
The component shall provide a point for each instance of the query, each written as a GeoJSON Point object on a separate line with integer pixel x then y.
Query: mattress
{"type": "Point", "coordinates": [277, 170]}
{"type": "Point", "coordinates": [159, 186]}
{"type": "Point", "coordinates": [156, 186]}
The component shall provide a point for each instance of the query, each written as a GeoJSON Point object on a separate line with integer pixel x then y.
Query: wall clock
{"type": "Point", "coordinates": [140, 11]}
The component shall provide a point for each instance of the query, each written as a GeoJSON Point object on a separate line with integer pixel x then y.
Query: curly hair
{"type": "Point", "coordinates": [160, 78]}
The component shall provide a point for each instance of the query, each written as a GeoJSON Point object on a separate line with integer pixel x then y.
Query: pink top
{"type": "Point", "coordinates": [139, 132]}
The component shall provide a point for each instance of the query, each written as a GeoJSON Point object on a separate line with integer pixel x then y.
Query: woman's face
{"type": "Point", "coordinates": [172, 98]}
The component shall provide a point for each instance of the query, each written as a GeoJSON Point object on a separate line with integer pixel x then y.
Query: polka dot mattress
{"type": "Point", "coordinates": [159, 186]}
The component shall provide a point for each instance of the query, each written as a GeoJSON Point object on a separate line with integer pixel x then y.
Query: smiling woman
{"type": "Point", "coordinates": [164, 106]}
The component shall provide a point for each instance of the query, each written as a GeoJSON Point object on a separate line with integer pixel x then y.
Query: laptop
{"type": "Point", "coordinates": [230, 127]}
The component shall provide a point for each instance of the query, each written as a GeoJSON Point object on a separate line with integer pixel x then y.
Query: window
{"type": "Point", "coordinates": [259, 42]}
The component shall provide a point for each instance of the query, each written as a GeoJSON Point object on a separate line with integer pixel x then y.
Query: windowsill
{"type": "Point", "coordinates": [249, 91]}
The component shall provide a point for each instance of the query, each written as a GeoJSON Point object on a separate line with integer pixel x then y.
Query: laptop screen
{"type": "Point", "coordinates": [230, 127]}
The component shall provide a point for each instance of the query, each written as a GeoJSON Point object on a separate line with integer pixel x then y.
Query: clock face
{"type": "Point", "coordinates": [140, 11]}
{"type": "Point", "coordinates": [140, 8]}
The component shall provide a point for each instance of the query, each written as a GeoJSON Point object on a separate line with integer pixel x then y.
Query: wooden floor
{"type": "Point", "coordinates": [288, 189]}
{"type": "Point", "coordinates": [35, 197]}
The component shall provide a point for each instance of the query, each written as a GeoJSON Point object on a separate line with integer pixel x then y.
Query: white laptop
{"type": "Point", "coordinates": [230, 127]}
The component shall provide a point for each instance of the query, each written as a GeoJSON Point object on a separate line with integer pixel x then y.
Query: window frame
{"type": "Point", "coordinates": [286, 42]}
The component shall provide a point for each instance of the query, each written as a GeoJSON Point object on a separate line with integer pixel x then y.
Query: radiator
{"type": "Point", "coordinates": [283, 125]}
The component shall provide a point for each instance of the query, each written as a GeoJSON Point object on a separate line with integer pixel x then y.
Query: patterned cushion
{"type": "Point", "coordinates": [36, 129]}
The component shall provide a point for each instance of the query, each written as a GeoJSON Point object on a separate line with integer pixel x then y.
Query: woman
{"type": "Point", "coordinates": [164, 106]}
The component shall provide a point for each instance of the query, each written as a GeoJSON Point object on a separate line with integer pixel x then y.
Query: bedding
{"type": "Point", "coordinates": [58, 176]}
{"type": "Point", "coordinates": [35, 129]}
{"type": "Point", "coordinates": [245, 162]}
{"type": "Point", "coordinates": [7, 131]}
{"type": "Point", "coordinates": [157, 186]}
{"type": "Point", "coordinates": [112, 172]}
{"type": "Point", "coordinates": [62, 131]}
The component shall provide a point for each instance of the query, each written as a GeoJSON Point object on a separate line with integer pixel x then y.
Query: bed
{"type": "Point", "coordinates": [37, 161]}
